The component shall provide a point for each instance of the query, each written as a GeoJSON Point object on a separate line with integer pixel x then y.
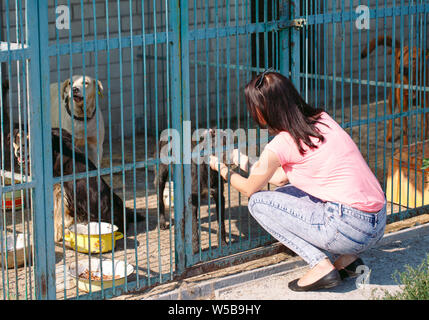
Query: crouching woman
{"type": "Point", "coordinates": [332, 202]}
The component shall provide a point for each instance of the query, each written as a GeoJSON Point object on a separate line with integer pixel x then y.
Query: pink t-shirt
{"type": "Point", "coordinates": [335, 171]}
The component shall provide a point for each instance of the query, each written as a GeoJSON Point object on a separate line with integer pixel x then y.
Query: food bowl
{"type": "Point", "coordinates": [100, 269]}
{"type": "Point", "coordinates": [7, 201]}
{"type": "Point", "coordinates": [82, 241]}
{"type": "Point", "coordinates": [19, 246]}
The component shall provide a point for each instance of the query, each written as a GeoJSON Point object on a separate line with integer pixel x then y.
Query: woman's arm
{"type": "Point", "coordinates": [260, 174]}
{"type": "Point", "coordinates": [278, 179]}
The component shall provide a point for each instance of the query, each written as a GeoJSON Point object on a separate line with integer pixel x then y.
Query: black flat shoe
{"type": "Point", "coordinates": [331, 280]}
{"type": "Point", "coordinates": [350, 270]}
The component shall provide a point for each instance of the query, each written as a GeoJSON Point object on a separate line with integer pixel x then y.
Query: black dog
{"type": "Point", "coordinates": [83, 199]}
{"type": "Point", "coordinates": [6, 130]}
{"type": "Point", "coordinates": [5, 113]}
{"type": "Point", "coordinates": [216, 191]}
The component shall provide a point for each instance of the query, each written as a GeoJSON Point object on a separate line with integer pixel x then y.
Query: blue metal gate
{"type": "Point", "coordinates": [181, 66]}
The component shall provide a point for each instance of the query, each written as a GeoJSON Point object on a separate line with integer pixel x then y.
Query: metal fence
{"type": "Point", "coordinates": [140, 67]}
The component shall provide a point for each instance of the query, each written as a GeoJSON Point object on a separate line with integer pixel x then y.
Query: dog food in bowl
{"type": "Point", "coordinates": [96, 275]}
{"type": "Point", "coordinates": [99, 271]}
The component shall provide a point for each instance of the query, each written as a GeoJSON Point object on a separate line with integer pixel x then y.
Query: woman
{"type": "Point", "coordinates": [333, 201]}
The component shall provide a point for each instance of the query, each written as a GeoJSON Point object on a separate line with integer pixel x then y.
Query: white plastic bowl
{"type": "Point", "coordinates": [107, 267]}
{"type": "Point", "coordinates": [19, 247]}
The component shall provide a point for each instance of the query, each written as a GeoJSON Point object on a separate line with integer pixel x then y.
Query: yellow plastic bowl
{"type": "Point", "coordinates": [85, 242]}
{"type": "Point", "coordinates": [100, 268]}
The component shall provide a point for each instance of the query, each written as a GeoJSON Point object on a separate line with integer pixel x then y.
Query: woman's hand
{"type": "Point", "coordinates": [244, 160]}
{"type": "Point", "coordinates": [215, 164]}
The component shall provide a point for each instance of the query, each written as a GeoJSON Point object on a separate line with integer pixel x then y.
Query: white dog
{"type": "Point", "coordinates": [72, 113]}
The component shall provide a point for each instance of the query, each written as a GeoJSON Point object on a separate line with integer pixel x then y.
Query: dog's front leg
{"type": "Point", "coordinates": [220, 212]}
{"type": "Point", "coordinates": [195, 234]}
{"type": "Point", "coordinates": [404, 108]}
{"type": "Point", "coordinates": [160, 181]}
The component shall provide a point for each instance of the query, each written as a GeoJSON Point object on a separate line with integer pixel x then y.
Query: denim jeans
{"type": "Point", "coordinates": [309, 226]}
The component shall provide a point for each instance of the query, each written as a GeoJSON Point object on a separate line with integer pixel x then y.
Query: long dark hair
{"type": "Point", "coordinates": [282, 108]}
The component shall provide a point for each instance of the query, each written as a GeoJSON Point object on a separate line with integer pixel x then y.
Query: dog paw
{"type": "Point", "coordinates": [164, 226]}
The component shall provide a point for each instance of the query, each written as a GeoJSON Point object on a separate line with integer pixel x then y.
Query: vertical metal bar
{"type": "Point", "coordinates": [208, 113]}
{"type": "Point", "coordinates": [109, 108]}
{"type": "Point", "coordinates": [424, 93]}
{"type": "Point", "coordinates": [98, 164]}
{"type": "Point", "coordinates": [144, 71]}
{"type": "Point", "coordinates": [168, 75]}
{"type": "Point", "coordinates": [186, 131]}
{"type": "Point", "coordinates": [82, 16]}
{"type": "Point", "coordinates": [121, 77]}
{"type": "Point", "coordinates": [9, 74]}
{"type": "Point", "coordinates": [133, 144]}
{"type": "Point", "coordinates": [217, 89]}
{"type": "Point", "coordinates": [376, 97]}
{"type": "Point", "coordinates": [237, 59]}
{"type": "Point", "coordinates": [197, 122]}
{"type": "Point", "coordinates": [176, 101]}
{"type": "Point", "coordinates": [284, 35]}
{"type": "Point", "coordinates": [296, 47]}
{"type": "Point", "coordinates": [384, 98]}
{"type": "Point", "coordinates": [41, 149]}
{"type": "Point", "coordinates": [228, 126]}
{"type": "Point", "coordinates": [61, 157]}
{"type": "Point", "coordinates": [156, 129]}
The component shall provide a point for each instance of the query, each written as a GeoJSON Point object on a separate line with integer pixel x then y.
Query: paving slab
{"type": "Point", "coordinates": [393, 253]}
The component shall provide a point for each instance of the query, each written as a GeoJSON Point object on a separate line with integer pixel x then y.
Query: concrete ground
{"type": "Point", "coordinates": [394, 252]}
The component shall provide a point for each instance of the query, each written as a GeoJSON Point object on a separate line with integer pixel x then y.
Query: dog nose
{"type": "Point", "coordinates": [75, 90]}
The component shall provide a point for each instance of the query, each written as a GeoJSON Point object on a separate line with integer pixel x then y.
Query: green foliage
{"type": "Point", "coordinates": [425, 163]}
{"type": "Point", "coordinates": [414, 283]}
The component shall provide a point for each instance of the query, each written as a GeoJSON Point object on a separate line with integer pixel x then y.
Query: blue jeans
{"type": "Point", "coordinates": [308, 225]}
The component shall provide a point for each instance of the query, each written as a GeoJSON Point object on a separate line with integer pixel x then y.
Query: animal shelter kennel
{"type": "Point", "coordinates": [179, 65]}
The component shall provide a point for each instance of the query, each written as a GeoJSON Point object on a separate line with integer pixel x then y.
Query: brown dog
{"type": "Point", "coordinates": [416, 72]}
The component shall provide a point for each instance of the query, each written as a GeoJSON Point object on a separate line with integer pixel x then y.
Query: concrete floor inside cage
{"type": "Point", "coordinates": [154, 248]}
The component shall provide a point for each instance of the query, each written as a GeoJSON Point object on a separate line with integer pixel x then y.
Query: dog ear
{"type": "Point", "coordinates": [100, 88]}
{"type": "Point", "coordinates": [64, 86]}
{"type": "Point", "coordinates": [427, 54]}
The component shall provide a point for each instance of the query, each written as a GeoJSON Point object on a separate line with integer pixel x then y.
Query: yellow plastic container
{"type": "Point", "coordinates": [90, 242]}
{"type": "Point", "coordinates": [101, 269]}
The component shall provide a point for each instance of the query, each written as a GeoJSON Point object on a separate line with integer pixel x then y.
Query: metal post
{"type": "Point", "coordinates": [41, 148]}
{"type": "Point", "coordinates": [186, 129]}
{"type": "Point", "coordinates": [295, 46]}
{"type": "Point", "coordinates": [284, 39]}
{"type": "Point", "coordinates": [176, 117]}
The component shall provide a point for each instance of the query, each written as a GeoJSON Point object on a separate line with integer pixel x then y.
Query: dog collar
{"type": "Point", "coordinates": [74, 116]}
